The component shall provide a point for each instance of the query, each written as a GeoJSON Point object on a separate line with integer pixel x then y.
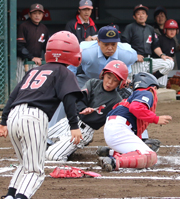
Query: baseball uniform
{"type": "Point", "coordinates": [95, 97]}
{"type": "Point", "coordinates": [27, 112]}
{"type": "Point", "coordinates": [144, 40]}
{"type": "Point", "coordinates": [31, 42]}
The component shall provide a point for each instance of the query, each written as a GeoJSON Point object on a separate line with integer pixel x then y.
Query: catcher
{"type": "Point", "coordinates": [99, 98]}
{"type": "Point", "coordinates": [126, 122]}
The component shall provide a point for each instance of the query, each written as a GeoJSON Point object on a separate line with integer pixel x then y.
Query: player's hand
{"type": "Point", "coordinates": [140, 58]}
{"type": "Point", "coordinates": [3, 131]}
{"type": "Point", "coordinates": [87, 111]}
{"type": "Point", "coordinates": [164, 119]}
{"type": "Point", "coordinates": [37, 60]}
{"type": "Point", "coordinates": [89, 38]}
{"type": "Point", "coordinates": [164, 57]}
{"type": "Point", "coordinates": [76, 136]}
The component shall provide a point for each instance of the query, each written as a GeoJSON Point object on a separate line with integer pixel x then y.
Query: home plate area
{"type": "Point", "coordinates": [160, 181]}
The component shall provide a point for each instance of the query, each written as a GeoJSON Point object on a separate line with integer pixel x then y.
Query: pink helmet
{"type": "Point", "coordinates": [171, 24]}
{"type": "Point", "coordinates": [119, 69]}
{"type": "Point", "coordinates": [63, 47]}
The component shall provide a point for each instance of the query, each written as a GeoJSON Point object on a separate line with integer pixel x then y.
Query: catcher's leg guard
{"type": "Point", "coordinates": [132, 159]}
{"type": "Point", "coordinates": [151, 159]}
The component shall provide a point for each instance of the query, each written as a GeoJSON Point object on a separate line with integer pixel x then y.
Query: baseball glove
{"type": "Point", "coordinates": [153, 144]}
{"type": "Point", "coordinates": [125, 92]}
{"type": "Point", "coordinates": [72, 172]}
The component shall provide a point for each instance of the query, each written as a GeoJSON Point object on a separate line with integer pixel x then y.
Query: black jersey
{"type": "Point", "coordinates": [96, 97]}
{"type": "Point", "coordinates": [31, 39]}
{"type": "Point", "coordinates": [143, 39]}
{"type": "Point", "coordinates": [167, 45]}
{"type": "Point", "coordinates": [43, 87]}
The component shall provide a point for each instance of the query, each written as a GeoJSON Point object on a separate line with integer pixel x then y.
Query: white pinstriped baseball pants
{"type": "Point", "coordinates": [60, 134]}
{"type": "Point", "coordinates": [164, 67]}
{"type": "Point", "coordinates": [27, 129]}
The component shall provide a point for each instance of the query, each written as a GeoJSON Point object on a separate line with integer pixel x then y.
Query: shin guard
{"type": "Point", "coordinates": [132, 159]}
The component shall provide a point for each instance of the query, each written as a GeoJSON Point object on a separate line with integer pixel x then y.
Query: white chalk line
{"type": "Point", "coordinates": [95, 147]}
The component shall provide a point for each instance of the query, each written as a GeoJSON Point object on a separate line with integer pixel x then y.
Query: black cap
{"type": "Point", "coordinates": [140, 7]}
{"type": "Point", "coordinates": [159, 9]}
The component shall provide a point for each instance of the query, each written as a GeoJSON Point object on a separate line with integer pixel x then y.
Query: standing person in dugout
{"type": "Point", "coordinates": [99, 98]}
{"type": "Point", "coordinates": [83, 26]}
{"type": "Point", "coordinates": [32, 104]}
{"type": "Point", "coordinates": [32, 38]}
{"type": "Point", "coordinates": [143, 39]}
{"type": "Point", "coordinates": [126, 122]}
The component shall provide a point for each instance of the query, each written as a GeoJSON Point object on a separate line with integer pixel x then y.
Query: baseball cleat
{"type": "Point", "coordinates": [106, 163]}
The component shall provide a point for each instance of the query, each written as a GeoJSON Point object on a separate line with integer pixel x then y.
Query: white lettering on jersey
{"type": "Point", "coordinates": [146, 99]}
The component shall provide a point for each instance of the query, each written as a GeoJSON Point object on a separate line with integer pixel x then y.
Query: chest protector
{"type": "Point", "coordinates": [141, 125]}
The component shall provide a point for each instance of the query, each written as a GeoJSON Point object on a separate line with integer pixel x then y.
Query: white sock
{"type": "Point", "coordinates": [8, 197]}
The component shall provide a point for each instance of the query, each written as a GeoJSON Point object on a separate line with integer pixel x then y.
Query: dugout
{"type": "Point", "coordinates": [105, 12]}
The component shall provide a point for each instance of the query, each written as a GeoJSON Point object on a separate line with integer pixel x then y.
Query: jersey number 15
{"type": "Point", "coordinates": [38, 81]}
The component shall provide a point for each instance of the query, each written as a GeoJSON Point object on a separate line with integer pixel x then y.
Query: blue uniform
{"type": "Point", "coordinates": [145, 97]}
{"type": "Point", "coordinates": [93, 60]}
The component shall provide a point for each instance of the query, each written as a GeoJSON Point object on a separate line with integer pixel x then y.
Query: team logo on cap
{"type": "Point", "coordinates": [111, 33]}
{"type": "Point", "coordinates": [116, 65]}
{"type": "Point", "coordinates": [37, 6]}
{"type": "Point", "coordinates": [86, 3]}
{"type": "Point", "coordinates": [172, 23]}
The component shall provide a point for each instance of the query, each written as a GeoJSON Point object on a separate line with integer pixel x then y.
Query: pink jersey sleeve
{"type": "Point", "coordinates": [141, 111]}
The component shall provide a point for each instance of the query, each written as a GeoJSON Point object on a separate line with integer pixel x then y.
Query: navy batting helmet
{"type": "Point", "coordinates": [144, 80]}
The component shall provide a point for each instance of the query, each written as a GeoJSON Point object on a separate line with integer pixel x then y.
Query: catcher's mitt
{"type": "Point", "coordinates": [153, 144]}
{"type": "Point", "coordinates": [72, 172]}
{"type": "Point", "coordinates": [125, 92]}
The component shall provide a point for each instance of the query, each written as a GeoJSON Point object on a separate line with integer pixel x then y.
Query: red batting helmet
{"type": "Point", "coordinates": [63, 47]}
{"type": "Point", "coordinates": [119, 69]}
{"type": "Point", "coordinates": [47, 16]}
{"type": "Point", "coordinates": [171, 24]}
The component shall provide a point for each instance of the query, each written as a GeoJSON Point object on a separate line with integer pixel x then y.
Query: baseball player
{"type": "Point", "coordinates": [126, 122]}
{"type": "Point", "coordinates": [32, 38]}
{"type": "Point", "coordinates": [99, 98]}
{"type": "Point", "coordinates": [143, 39]}
{"type": "Point", "coordinates": [166, 41]}
{"type": "Point", "coordinates": [32, 104]}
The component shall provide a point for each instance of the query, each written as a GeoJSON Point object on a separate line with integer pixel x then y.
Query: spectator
{"type": "Point", "coordinates": [32, 37]}
{"type": "Point", "coordinates": [99, 98]}
{"type": "Point", "coordinates": [143, 39]}
{"type": "Point", "coordinates": [166, 40]}
{"type": "Point", "coordinates": [160, 17]}
{"type": "Point", "coordinates": [83, 26]}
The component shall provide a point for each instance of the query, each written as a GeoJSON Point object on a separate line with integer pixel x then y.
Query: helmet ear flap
{"type": "Point", "coordinates": [164, 31]}
{"type": "Point", "coordinates": [122, 84]}
{"type": "Point", "coordinates": [177, 32]}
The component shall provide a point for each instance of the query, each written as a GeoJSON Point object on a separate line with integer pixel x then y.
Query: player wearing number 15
{"type": "Point", "coordinates": [32, 104]}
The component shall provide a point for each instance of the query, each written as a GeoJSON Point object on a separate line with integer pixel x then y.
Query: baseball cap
{"type": "Point", "coordinates": [140, 7]}
{"type": "Point", "coordinates": [108, 34]}
{"type": "Point", "coordinates": [36, 6]}
{"type": "Point", "coordinates": [159, 9]}
{"type": "Point", "coordinates": [85, 4]}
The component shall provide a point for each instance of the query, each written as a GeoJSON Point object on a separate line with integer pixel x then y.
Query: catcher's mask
{"type": "Point", "coordinates": [144, 80]}
{"type": "Point", "coordinates": [63, 47]}
{"type": "Point", "coordinates": [119, 69]}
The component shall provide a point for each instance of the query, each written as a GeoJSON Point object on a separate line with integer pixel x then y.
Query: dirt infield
{"type": "Point", "coordinates": [163, 180]}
